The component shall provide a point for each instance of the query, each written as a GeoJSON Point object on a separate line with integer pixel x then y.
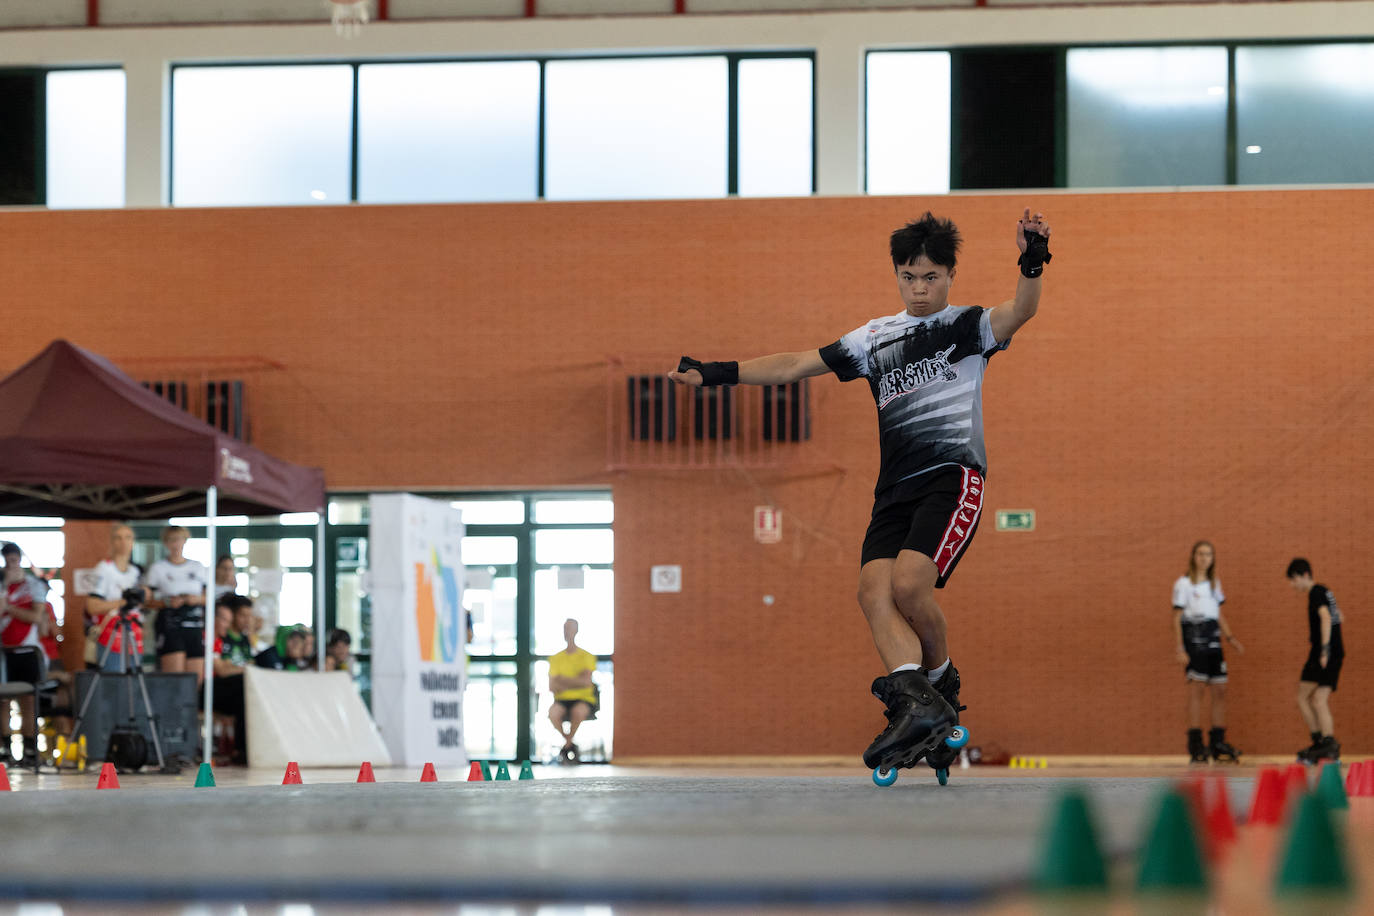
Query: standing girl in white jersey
{"type": "Point", "coordinates": [178, 586]}
{"type": "Point", "coordinates": [1201, 627]}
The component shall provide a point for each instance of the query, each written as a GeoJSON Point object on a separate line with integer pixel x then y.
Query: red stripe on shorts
{"type": "Point", "coordinates": [962, 522]}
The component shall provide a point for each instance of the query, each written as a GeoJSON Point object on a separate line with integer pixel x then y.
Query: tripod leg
{"type": "Point", "coordinates": [152, 718]}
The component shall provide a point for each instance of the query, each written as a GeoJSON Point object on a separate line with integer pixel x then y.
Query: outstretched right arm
{"type": "Point", "coordinates": [777, 369]}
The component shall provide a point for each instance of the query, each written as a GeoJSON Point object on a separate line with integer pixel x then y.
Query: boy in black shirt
{"type": "Point", "coordinates": [1323, 668]}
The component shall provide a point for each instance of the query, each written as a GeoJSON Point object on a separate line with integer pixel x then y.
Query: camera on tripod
{"type": "Point", "coordinates": [133, 600]}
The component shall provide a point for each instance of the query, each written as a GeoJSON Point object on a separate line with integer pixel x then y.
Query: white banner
{"type": "Point", "coordinates": [418, 629]}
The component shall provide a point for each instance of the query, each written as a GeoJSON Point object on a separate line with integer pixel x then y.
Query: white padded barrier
{"type": "Point", "coordinates": [313, 718]}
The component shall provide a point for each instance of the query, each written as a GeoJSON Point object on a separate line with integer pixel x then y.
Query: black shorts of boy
{"type": "Point", "coordinates": [1205, 665]}
{"type": "Point", "coordinates": [181, 629]}
{"type": "Point", "coordinates": [568, 706]}
{"type": "Point", "coordinates": [935, 514]}
{"type": "Point", "coordinates": [1314, 673]}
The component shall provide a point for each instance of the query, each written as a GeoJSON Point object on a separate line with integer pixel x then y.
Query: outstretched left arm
{"type": "Point", "coordinates": [1032, 238]}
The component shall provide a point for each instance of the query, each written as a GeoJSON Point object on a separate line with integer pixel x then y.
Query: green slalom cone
{"type": "Point", "coordinates": [1172, 861]}
{"type": "Point", "coordinates": [1071, 857]}
{"type": "Point", "coordinates": [502, 772]}
{"type": "Point", "coordinates": [526, 771]}
{"type": "Point", "coordinates": [1314, 859]}
{"type": "Point", "coordinates": [205, 777]}
{"type": "Point", "coordinates": [486, 771]}
{"type": "Point", "coordinates": [1331, 787]}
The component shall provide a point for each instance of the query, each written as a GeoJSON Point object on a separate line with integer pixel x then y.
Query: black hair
{"type": "Point", "coordinates": [222, 557]}
{"type": "Point", "coordinates": [233, 601]}
{"type": "Point", "coordinates": [1299, 567]}
{"type": "Point", "coordinates": [11, 548]}
{"type": "Point", "coordinates": [337, 636]}
{"type": "Point", "coordinates": [937, 239]}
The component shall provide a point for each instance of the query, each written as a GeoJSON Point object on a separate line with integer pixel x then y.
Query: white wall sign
{"type": "Point", "coordinates": [418, 628]}
{"type": "Point", "coordinates": [665, 579]}
{"type": "Point", "coordinates": [767, 524]}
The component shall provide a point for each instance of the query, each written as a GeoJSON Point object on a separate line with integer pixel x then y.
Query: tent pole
{"type": "Point", "coordinates": [320, 634]}
{"type": "Point", "coordinates": [211, 514]}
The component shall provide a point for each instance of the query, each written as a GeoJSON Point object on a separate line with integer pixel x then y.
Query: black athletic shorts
{"type": "Point", "coordinates": [181, 629]}
{"type": "Point", "coordinates": [1206, 665]}
{"type": "Point", "coordinates": [936, 514]}
{"type": "Point", "coordinates": [1314, 673]}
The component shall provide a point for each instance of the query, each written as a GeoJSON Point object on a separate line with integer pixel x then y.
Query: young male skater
{"type": "Point", "coordinates": [1322, 671]}
{"type": "Point", "coordinates": [925, 368]}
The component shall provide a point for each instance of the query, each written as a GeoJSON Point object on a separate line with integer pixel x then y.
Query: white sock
{"type": "Point", "coordinates": [909, 666]}
{"type": "Point", "coordinates": [937, 673]}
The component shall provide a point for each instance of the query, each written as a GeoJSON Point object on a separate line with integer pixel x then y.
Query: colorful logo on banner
{"type": "Point", "coordinates": [437, 612]}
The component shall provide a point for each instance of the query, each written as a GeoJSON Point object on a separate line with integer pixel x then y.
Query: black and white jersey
{"type": "Point", "coordinates": [112, 583]}
{"type": "Point", "coordinates": [166, 578]}
{"type": "Point", "coordinates": [1198, 601]}
{"type": "Point", "coordinates": [926, 375]}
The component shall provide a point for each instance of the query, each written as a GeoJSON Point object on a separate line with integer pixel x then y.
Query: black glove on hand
{"type": "Point", "coordinates": [711, 373]}
{"type": "Point", "coordinates": [1037, 254]}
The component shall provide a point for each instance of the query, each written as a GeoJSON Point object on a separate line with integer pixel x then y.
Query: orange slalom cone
{"type": "Point", "coordinates": [365, 772]}
{"type": "Point", "coordinates": [475, 772]}
{"type": "Point", "coordinates": [428, 774]}
{"type": "Point", "coordinates": [109, 779]}
{"type": "Point", "coordinates": [4, 780]}
{"type": "Point", "coordinates": [1267, 805]}
{"type": "Point", "coordinates": [1219, 822]}
{"type": "Point", "coordinates": [293, 775]}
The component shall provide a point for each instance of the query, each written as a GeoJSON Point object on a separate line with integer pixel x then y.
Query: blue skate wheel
{"type": "Point", "coordinates": [957, 738]}
{"type": "Point", "coordinates": [942, 774]}
{"type": "Point", "coordinates": [883, 777]}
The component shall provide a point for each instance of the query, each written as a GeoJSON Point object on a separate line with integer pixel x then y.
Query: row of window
{"type": "Point", "coordinates": [713, 125]}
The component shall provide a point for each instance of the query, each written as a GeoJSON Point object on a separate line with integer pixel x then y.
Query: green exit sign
{"type": "Point", "coordinates": [1015, 519]}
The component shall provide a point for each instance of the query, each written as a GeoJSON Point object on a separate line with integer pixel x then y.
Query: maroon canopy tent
{"type": "Point", "coordinates": [81, 440]}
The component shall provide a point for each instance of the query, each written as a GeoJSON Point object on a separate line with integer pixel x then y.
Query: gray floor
{"type": "Point", "coordinates": [738, 841]}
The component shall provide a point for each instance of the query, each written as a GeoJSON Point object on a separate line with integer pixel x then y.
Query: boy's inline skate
{"type": "Point", "coordinates": [919, 720]}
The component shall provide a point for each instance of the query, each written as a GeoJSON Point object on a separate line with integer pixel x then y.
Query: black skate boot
{"type": "Point", "coordinates": [1305, 755]}
{"type": "Point", "coordinates": [1327, 749]}
{"type": "Point", "coordinates": [1221, 751]}
{"type": "Point", "coordinates": [943, 756]}
{"type": "Point", "coordinates": [918, 720]}
{"type": "Point", "coordinates": [1197, 751]}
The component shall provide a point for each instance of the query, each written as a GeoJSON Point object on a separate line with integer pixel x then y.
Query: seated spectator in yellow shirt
{"type": "Point", "coordinates": [574, 695]}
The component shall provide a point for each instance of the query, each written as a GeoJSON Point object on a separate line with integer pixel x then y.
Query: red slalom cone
{"type": "Point", "coordinates": [293, 775]}
{"type": "Point", "coordinates": [475, 772]}
{"type": "Point", "coordinates": [1366, 786]}
{"type": "Point", "coordinates": [428, 774]}
{"type": "Point", "coordinates": [1353, 777]}
{"type": "Point", "coordinates": [1194, 792]}
{"type": "Point", "coordinates": [1267, 805]}
{"type": "Point", "coordinates": [109, 779]}
{"type": "Point", "coordinates": [1219, 821]}
{"type": "Point", "coordinates": [4, 779]}
{"type": "Point", "coordinates": [365, 772]}
{"type": "Point", "coordinates": [1294, 784]}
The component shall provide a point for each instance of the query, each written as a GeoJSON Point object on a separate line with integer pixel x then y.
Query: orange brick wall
{"type": "Point", "coordinates": [1200, 368]}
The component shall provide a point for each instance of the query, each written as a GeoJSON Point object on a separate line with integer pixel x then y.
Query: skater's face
{"type": "Point", "coordinates": [1202, 558]}
{"type": "Point", "coordinates": [924, 286]}
{"type": "Point", "coordinates": [1300, 583]}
